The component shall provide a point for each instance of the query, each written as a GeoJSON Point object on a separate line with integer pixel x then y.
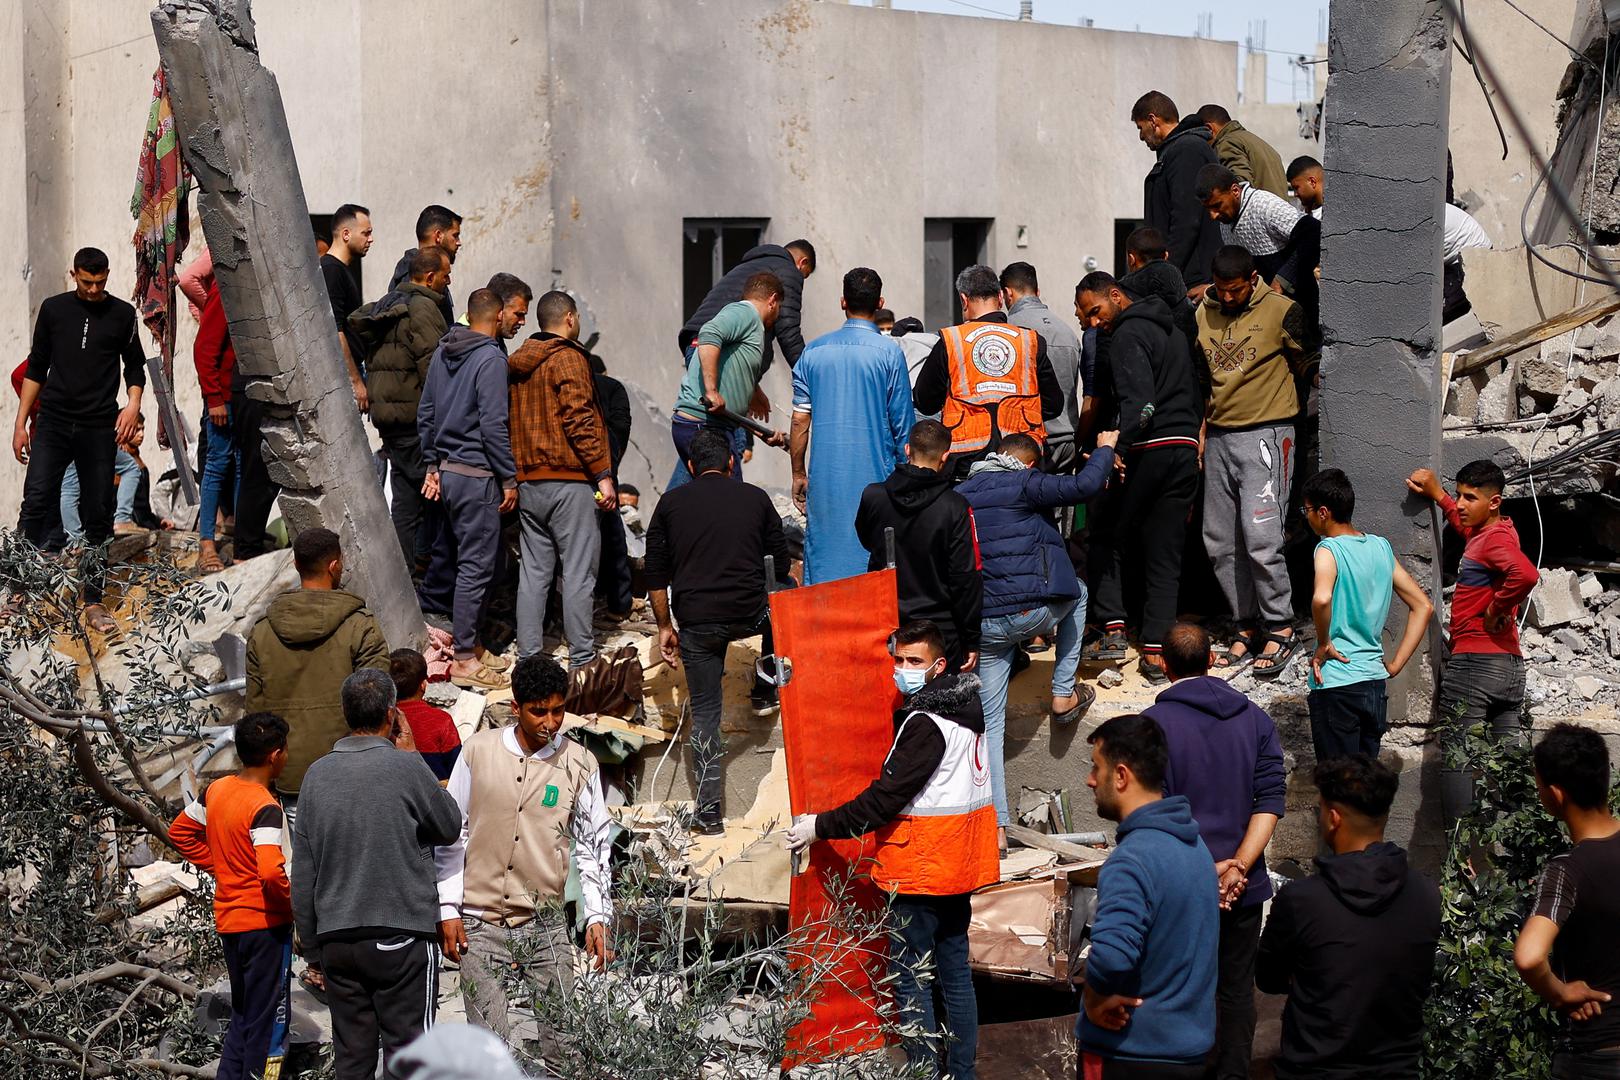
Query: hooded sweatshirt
{"type": "Point", "coordinates": [462, 417]}
{"type": "Point", "coordinates": [1171, 202]}
{"type": "Point", "coordinates": [1026, 562]}
{"type": "Point", "coordinates": [936, 552]}
{"type": "Point", "coordinates": [298, 655]}
{"type": "Point", "coordinates": [1353, 948]}
{"type": "Point", "coordinates": [918, 750]}
{"type": "Point", "coordinates": [1154, 385]}
{"type": "Point", "coordinates": [1225, 757]}
{"type": "Point", "coordinates": [1156, 936]}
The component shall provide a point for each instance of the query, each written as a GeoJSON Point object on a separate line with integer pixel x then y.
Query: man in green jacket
{"type": "Point", "coordinates": [400, 332]}
{"type": "Point", "coordinates": [1244, 152]}
{"type": "Point", "coordinates": [303, 648]}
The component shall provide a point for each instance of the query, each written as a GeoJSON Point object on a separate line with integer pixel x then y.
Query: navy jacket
{"type": "Point", "coordinates": [1226, 758]}
{"type": "Point", "coordinates": [1156, 936]}
{"type": "Point", "coordinates": [1025, 561]}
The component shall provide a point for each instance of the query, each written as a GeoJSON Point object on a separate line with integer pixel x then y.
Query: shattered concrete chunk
{"type": "Point", "coordinates": [1557, 600]}
{"type": "Point", "coordinates": [1591, 588]}
{"type": "Point", "coordinates": [1588, 686]}
{"type": "Point", "coordinates": [1110, 678]}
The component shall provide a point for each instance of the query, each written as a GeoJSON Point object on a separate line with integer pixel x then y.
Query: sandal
{"type": "Point", "coordinates": [1231, 659]}
{"type": "Point", "coordinates": [1110, 645]}
{"type": "Point", "coordinates": [482, 678]}
{"type": "Point", "coordinates": [209, 562]}
{"type": "Point", "coordinates": [1279, 659]}
{"type": "Point", "coordinates": [99, 619]}
{"type": "Point", "coordinates": [1153, 673]}
{"type": "Point", "coordinates": [494, 661]}
{"type": "Point", "coordinates": [1068, 716]}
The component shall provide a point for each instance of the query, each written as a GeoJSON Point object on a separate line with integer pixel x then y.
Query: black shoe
{"type": "Point", "coordinates": [708, 828]}
{"type": "Point", "coordinates": [1020, 661]}
{"type": "Point", "coordinates": [763, 704]}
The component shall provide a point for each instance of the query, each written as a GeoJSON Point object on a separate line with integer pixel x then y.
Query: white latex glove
{"type": "Point", "coordinates": [802, 833]}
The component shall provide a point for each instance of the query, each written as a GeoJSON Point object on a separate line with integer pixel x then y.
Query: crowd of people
{"type": "Point", "coordinates": [1025, 480]}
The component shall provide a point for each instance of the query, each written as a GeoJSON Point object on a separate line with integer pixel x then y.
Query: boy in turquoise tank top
{"type": "Point", "coordinates": [1356, 577]}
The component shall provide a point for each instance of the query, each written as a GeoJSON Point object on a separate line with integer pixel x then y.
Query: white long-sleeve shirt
{"type": "Point", "coordinates": [589, 824]}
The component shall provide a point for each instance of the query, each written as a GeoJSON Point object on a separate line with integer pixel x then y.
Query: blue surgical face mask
{"type": "Point", "coordinates": [910, 680]}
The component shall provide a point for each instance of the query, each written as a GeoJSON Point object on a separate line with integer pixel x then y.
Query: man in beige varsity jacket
{"type": "Point", "coordinates": [530, 783]}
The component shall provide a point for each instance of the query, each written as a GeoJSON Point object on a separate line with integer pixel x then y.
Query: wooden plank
{"type": "Point", "coordinates": [1531, 335]}
{"type": "Point", "coordinates": [1030, 838]}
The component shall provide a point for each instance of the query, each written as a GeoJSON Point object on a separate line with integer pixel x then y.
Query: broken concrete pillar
{"type": "Point", "coordinates": [233, 131]}
{"type": "Point", "coordinates": [1389, 68]}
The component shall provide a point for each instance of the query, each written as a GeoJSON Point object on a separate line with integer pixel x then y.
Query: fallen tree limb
{"type": "Point", "coordinates": [126, 971]}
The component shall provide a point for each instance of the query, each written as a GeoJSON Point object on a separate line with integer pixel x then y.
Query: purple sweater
{"type": "Point", "coordinates": [1225, 757]}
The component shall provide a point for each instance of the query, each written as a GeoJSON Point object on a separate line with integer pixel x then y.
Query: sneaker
{"type": "Point", "coordinates": [763, 704]}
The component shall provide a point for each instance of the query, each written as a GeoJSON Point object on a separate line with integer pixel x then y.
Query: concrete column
{"type": "Point", "coordinates": [233, 130]}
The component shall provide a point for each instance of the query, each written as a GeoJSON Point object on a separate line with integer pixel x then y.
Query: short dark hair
{"type": "Point", "coordinates": [805, 248]}
{"type": "Point", "coordinates": [90, 260]}
{"type": "Point", "coordinates": [863, 290]}
{"type": "Point", "coordinates": [313, 549]}
{"type": "Point", "coordinates": [882, 315]}
{"type": "Point", "coordinates": [506, 286]}
{"type": "Point", "coordinates": [1098, 281]}
{"type": "Point", "coordinates": [1186, 650]}
{"type": "Point", "coordinates": [1211, 178]}
{"type": "Point", "coordinates": [435, 217]}
{"type": "Point", "coordinates": [1214, 114]}
{"type": "Point", "coordinates": [553, 308]}
{"type": "Point", "coordinates": [258, 735]}
{"type": "Point", "coordinates": [929, 438]}
{"type": "Point", "coordinates": [1137, 742]}
{"type": "Point", "coordinates": [483, 304]}
{"type": "Point", "coordinates": [1148, 244]}
{"type": "Point", "coordinates": [1154, 103]}
{"type": "Point", "coordinates": [1020, 276]}
{"type": "Point", "coordinates": [629, 489]}
{"type": "Point", "coordinates": [426, 260]}
{"type": "Point", "coordinates": [762, 286]}
{"type": "Point", "coordinates": [347, 214]}
{"type": "Point", "coordinates": [978, 282]}
{"type": "Point", "coordinates": [408, 669]}
{"type": "Point", "coordinates": [1330, 489]}
{"type": "Point", "coordinates": [919, 632]}
{"type": "Point", "coordinates": [1020, 443]}
{"type": "Point", "coordinates": [1232, 262]}
{"type": "Point", "coordinates": [538, 677]}
{"type": "Point", "coordinates": [1359, 781]}
{"type": "Point", "coordinates": [1484, 474]}
{"type": "Point", "coordinates": [368, 696]}
{"type": "Point", "coordinates": [1575, 760]}
{"type": "Point", "coordinates": [709, 451]}
{"type": "Point", "coordinates": [1301, 164]}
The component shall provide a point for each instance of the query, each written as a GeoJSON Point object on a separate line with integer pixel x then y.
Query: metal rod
{"type": "Point", "coordinates": [750, 423]}
{"type": "Point", "coordinates": [888, 546]}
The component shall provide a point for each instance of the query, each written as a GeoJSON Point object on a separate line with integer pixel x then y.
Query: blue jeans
{"type": "Point", "coordinates": [221, 461]}
{"type": "Point", "coordinates": [683, 430]}
{"type": "Point", "coordinates": [129, 481]}
{"type": "Point", "coordinates": [939, 925]}
{"type": "Point", "coordinates": [999, 635]}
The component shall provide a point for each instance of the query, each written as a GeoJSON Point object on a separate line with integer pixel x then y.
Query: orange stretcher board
{"type": "Point", "coordinates": [837, 726]}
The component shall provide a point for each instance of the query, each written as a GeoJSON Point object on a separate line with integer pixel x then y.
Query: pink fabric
{"type": "Point", "coordinates": [438, 653]}
{"type": "Point", "coordinates": [195, 279]}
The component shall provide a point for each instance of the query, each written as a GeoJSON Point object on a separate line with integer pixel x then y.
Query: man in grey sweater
{"type": "Point", "coordinates": [365, 903]}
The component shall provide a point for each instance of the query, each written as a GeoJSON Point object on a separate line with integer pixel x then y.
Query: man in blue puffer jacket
{"type": "Point", "coordinates": [1030, 588]}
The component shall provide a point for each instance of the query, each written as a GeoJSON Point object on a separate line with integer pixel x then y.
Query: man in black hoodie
{"type": "Point", "coordinates": [1171, 202]}
{"type": "Point", "coordinates": [791, 265]}
{"type": "Point", "coordinates": [1352, 947]}
{"type": "Point", "coordinates": [1160, 410]}
{"type": "Point", "coordinates": [938, 573]}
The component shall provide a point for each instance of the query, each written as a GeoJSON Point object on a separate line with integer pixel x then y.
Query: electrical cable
{"type": "Point", "coordinates": [1570, 48]}
{"type": "Point", "coordinates": [1483, 89]}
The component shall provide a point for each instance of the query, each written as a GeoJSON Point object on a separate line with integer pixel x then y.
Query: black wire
{"type": "Point", "coordinates": [1483, 89]}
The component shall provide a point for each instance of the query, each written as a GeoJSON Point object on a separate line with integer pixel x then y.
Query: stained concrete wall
{"type": "Point", "coordinates": [575, 136]}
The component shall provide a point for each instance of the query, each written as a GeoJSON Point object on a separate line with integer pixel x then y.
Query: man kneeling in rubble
{"type": "Point", "coordinates": [936, 833]}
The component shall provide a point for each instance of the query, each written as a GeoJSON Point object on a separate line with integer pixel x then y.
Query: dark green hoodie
{"type": "Point", "coordinates": [298, 655]}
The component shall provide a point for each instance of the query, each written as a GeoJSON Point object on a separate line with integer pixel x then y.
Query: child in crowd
{"type": "Point", "coordinates": [432, 731]}
{"type": "Point", "coordinates": [233, 831]}
{"type": "Point", "coordinates": [1483, 680]}
{"type": "Point", "coordinates": [1356, 573]}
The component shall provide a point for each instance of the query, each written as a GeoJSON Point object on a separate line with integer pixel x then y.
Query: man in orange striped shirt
{"type": "Point", "coordinates": [233, 831]}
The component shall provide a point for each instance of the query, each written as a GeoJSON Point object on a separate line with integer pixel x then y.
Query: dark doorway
{"type": "Point", "coordinates": [709, 248]}
{"type": "Point", "coordinates": [1123, 227]}
{"type": "Point", "coordinates": [950, 245]}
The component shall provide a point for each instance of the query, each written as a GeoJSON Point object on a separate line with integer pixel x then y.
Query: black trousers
{"type": "Point", "coordinates": [58, 442]}
{"type": "Point", "coordinates": [383, 989]}
{"type": "Point", "coordinates": [1094, 1068]}
{"type": "Point", "coordinates": [417, 522]}
{"type": "Point", "coordinates": [1146, 517]}
{"type": "Point", "coordinates": [613, 572]}
{"type": "Point", "coordinates": [260, 966]}
{"type": "Point", "coordinates": [256, 495]}
{"type": "Point", "coordinates": [1234, 993]}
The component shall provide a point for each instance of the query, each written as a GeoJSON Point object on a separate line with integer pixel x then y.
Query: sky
{"type": "Point", "coordinates": [1287, 28]}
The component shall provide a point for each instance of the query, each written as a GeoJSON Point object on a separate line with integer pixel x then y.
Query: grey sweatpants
{"type": "Point", "coordinates": [1246, 479]}
{"type": "Point", "coordinates": [559, 529]}
{"type": "Point", "coordinates": [540, 949]}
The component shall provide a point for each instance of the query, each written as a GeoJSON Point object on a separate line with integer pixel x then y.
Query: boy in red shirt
{"type": "Point", "coordinates": [431, 731]}
{"type": "Point", "coordinates": [1483, 678]}
{"type": "Point", "coordinates": [233, 831]}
